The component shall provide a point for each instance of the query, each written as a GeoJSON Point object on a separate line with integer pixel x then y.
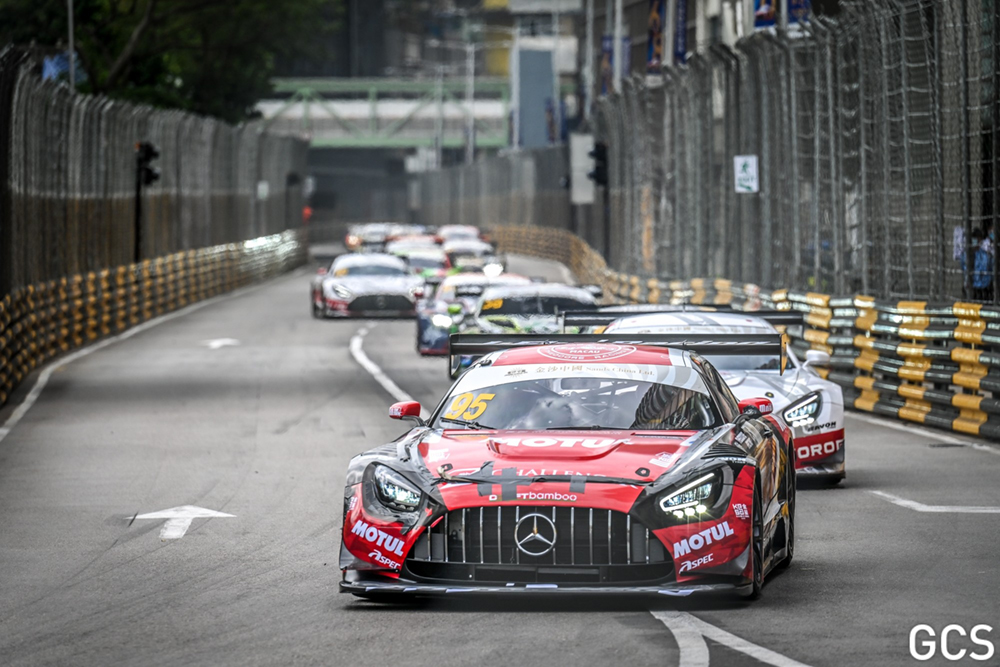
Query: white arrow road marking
{"type": "Point", "coordinates": [920, 507]}
{"type": "Point", "coordinates": [179, 519]}
{"type": "Point", "coordinates": [358, 352]}
{"type": "Point", "coordinates": [217, 343]}
{"type": "Point", "coordinates": [691, 633]}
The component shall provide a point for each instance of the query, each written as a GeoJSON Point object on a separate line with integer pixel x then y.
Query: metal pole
{"type": "Point", "coordinates": [72, 48]}
{"type": "Point", "coordinates": [470, 92]}
{"type": "Point", "coordinates": [669, 32]}
{"type": "Point", "coordinates": [617, 58]}
{"type": "Point", "coordinates": [137, 222]}
{"type": "Point", "coordinates": [588, 62]}
{"type": "Point", "coordinates": [439, 121]}
{"type": "Point", "coordinates": [783, 18]}
{"type": "Point", "coordinates": [515, 75]}
{"type": "Point", "coordinates": [556, 95]}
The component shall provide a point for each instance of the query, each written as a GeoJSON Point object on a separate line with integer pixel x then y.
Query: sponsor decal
{"type": "Point", "coordinates": [586, 352]}
{"type": "Point", "coordinates": [379, 538]}
{"type": "Point", "coordinates": [395, 411]}
{"type": "Point", "coordinates": [437, 455]}
{"type": "Point", "coordinates": [663, 459]}
{"type": "Point", "coordinates": [812, 428]}
{"type": "Point", "coordinates": [352, 503]}
{"type": "Point", "coordinates": [382, 559]}
{"type": "Point", "coordinates": [818, 449]}
{"type": "Point", "coordinates": [741, 511]}
{"type": "Point", "coordinates": [925, 641]}
{"type": "Point", "coordinates": [543, 495]}
{"type": "Point", "coordinates": [702, 539]}
{"type": "Point", "coordinates": [692, 564]}
{"type": "Point", "coordinates": [515, 372]}
{"type": "Point", "coordinates": [588, 443]}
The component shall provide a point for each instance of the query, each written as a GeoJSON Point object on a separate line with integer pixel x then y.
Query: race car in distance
{"type": "Point", "coordinates": [442, 311]}
{"type": "Point", "coordinates": [473, 255]}
{"type": "Point", "coordinates": [372, 236]}
{"type": "Point", "coordinates": [526, 308]}
{"type": "Point", "coordinates": [365, 285]}
{"type": "Point", "coordinates": [811, 406]}
{"type": "Point", "coordinates": [428, 263]}
{"type": "Point", "coordinates": [447, 233]}
{"type": "Point", "coordinates": [557, 465]}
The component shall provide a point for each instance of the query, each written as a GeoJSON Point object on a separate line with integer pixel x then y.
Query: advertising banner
{"type": "Point", "coordinates": [654, 49]}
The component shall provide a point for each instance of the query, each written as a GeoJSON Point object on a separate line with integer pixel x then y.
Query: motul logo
{"type": "Point", "coordinates": [702, 539]}
{"type": "Point", "coordinates": [373, 535]}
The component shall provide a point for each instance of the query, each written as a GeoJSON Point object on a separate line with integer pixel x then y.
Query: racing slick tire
{"type": "Point", "coordinates": [790, 493]}
{"type": "Point", "coordinates": [317, 311]}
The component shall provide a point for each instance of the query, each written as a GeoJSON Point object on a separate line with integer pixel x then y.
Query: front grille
{"type": "Point", "coordinates": [590, 546]}
{"type": "Point", "coordinates": [375, 302]}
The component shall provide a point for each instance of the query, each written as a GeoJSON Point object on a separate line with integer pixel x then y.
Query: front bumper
{"type": "Point", "coordinates": [384, 587]}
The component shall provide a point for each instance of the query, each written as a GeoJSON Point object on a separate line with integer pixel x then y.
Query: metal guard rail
{"type": "Point", "coordinates": [41, 321]}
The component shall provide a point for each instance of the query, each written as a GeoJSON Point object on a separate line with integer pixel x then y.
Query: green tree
{"type": "Point", "coordinates": [214, 57]}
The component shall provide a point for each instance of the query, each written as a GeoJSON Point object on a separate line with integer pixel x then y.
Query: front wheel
{"type": "Point", "coordinates": [790, 493]}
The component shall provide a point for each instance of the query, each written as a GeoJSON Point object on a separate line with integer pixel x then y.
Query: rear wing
{"type": "Point", "coordinates": [466, 348]}
{"type": "Point", "coordinates": [588, 318]}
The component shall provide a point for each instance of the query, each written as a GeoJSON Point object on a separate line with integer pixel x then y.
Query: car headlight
{"type": "Point", "coordinates": [394, 491]}
{"type": "Point", "coordinates": [493, 270]}
{"type": "Point", "coordinates": [803, 411]}
{"type": "Point", "coordinates": [441, 321]}
{"type": "Point", "coordinates": [690, 499]}
{"type": "Point", "coordinates": [340, 292]}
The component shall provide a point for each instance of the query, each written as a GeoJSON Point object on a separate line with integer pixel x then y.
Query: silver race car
{"type": "Point", "coordinates": [366, 285]}
{"type": "Point", "coordinates": [812, 407]}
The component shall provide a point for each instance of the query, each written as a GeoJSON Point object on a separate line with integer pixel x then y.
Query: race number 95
{"type": "Point", "coordinates": [468, 406]}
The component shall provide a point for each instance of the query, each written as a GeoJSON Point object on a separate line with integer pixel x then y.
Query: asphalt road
{"type": "Point", "coordinates": [250, 407]}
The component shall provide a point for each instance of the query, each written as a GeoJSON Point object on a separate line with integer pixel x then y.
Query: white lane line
{"type": "Point", "coordinates": [945, 509]}
{"type": "Point", "coordinates": [690, 641]}
{"type": "Point", "coordinates": [43, 377]}
{"type": "Point", "coordinates": [930, 434]}
{"type": "Point", "coordinates": [709, 631]}
{"type": "Point", "coordinates": [358, 352]}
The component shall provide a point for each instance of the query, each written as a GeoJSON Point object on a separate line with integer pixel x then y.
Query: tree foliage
{"type": "Point", "coordinates": [214, 57]}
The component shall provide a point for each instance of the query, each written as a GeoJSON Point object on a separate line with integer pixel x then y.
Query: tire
{"type": "Point", "coordinates": [757, 544]}
{"type": "Point", "coordinates": [317, 311]}
{"type": "Point", "coordinates": [790, 495]}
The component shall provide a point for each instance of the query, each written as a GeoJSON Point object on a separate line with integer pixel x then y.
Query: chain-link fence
{"type": "Point", "coordinates": [68, 170]}
{"type": "Point", "coordinates": [877, 135]}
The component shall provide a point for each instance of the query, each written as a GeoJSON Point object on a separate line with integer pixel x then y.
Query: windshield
{"type": "Point", "coordinates": [579, 403]}
{"type": "Point", "coordinates": [751, 362]}
{"type": "Point", "coordinates": [425, 262]}
{"type": "Point", "coordinates": [530, 305]}
{"type": "Point", "coordinates": [369, 270]}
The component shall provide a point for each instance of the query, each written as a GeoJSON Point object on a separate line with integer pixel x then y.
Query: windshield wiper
{"type": "Point", "coordinates": [470, 424]}
{"type": "Point", "coordinates": [592, 427]}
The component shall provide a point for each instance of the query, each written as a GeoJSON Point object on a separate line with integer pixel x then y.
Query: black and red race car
{"type": "Point", "coordinates": [577, 464]}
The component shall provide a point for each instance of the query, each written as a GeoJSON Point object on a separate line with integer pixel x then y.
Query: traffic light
{"type": "Point", "coordinates": [600, 154]}
{"type": "Point", "coordinates": [145, 153]}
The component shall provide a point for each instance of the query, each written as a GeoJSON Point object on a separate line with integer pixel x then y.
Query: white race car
{"type": "Point", "coordinates": [365, 285]}
{"type": "Point", "coordinates": [812, 407]}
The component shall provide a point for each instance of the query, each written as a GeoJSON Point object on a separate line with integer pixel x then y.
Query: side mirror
{"type": "Point", "coordinates": [321, 271]}
{"type": "Point", "coordinates": [817, 358]}
{"type": "Point", "coordinates": [454, 309]}
{"type": "Point", "coordinates": [756, 407]}
{"type": "Point", "coordinates": [408, 410]}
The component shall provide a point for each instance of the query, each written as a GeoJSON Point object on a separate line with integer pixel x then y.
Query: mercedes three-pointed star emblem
{"type": "Point", "coordinates": [535, 534]}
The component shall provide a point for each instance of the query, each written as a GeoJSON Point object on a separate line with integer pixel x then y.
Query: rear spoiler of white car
{"type": "Point", "coordinates": [465, 348]}
{"type": "Point", "coordinates": [602, 318]}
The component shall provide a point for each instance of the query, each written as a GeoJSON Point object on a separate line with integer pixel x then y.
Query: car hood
{"type": "Point", "coordinates": [361, 285]}
{"type": "Point", "coordinates": [780, 389]}
{"type": "Point", "coordinates": [520, 323]}
{"type": "Point", "coordinates": [610, 468]}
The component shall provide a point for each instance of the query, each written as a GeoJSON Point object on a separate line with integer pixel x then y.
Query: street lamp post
{"type": "Point", "coordinates": [72, 48]}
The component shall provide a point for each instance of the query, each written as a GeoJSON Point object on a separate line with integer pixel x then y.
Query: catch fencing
{"type": "Point", "coordinates": [877, 134]}
{"type": "Point", "coordinates": [227, 211]}
{"type": "Point", "coordinates": [67, 180]}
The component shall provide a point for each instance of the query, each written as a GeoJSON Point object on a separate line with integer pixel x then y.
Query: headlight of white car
{"type": "Point", "coordinates": [804, 411]}
{"type": "Point", "coordinates": [338, 291]}
{"type": "Point", "coordinates": [441, 321]}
